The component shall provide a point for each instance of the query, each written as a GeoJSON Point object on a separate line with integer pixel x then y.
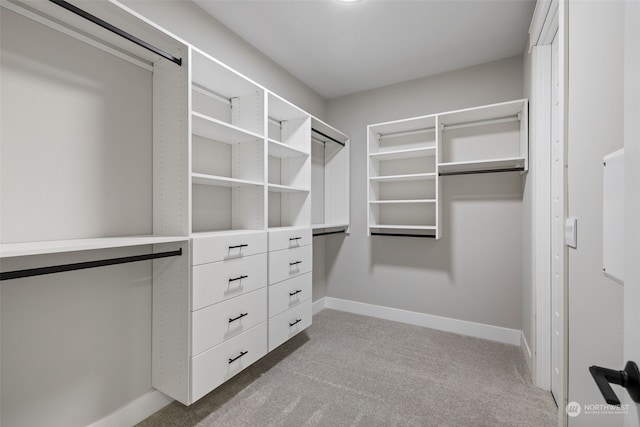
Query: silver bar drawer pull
{"type": "Point", "coordinates": [295, 292]}
{"type": "Point", "coordinates": [231, 320]}
{"type": "Point", "coordinates": [295, 323]}
{"type": "Point", "coordinates": [237, 278]}
{"type": "Point", "coordinates": [295, 263]}
{"type": "Point", "coordinates": [242, 353]}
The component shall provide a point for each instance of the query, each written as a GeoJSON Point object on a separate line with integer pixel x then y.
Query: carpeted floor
{"type": "Point", "coordinates": [350, 370]}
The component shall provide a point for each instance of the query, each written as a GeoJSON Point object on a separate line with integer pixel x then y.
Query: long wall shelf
{"type": "Point", "coordinates": [217, 130]}
{"type": "Point", "coordinates": [486, 139]}
{"type": "Point", "coordinates": [221, 181]}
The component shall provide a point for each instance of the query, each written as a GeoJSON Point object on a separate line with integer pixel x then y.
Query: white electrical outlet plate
{"type": "Point", "coordinates": [570, 232]}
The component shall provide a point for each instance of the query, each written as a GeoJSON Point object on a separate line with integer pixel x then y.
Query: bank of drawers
{"type": "Point", "coordinates": [229, 307]}
{"type": "Point", "coordinates": [290, 269]}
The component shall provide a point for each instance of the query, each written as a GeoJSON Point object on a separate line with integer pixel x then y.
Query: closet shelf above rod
{"type": "Point", "coordinates": [475, 123]}
{"type": "Point", "coordinates": [17, 274]}
{"type": "Point", "coordinates": [327, 136]}
{"type": "Point", "coordinates": [116, 30]}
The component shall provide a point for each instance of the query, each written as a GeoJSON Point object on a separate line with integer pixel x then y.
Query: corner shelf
{"type": "Point", "coordinates": [221, 181]}
{"type": "Point", "coordinates": [217, 130]}
{"type": "Point", "coordinates": [277, 188]}
{"type": "Point", "coordinates": [284, 151]}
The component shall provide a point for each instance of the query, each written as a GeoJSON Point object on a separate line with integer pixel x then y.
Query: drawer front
{"type": "Point", "coordinates": [289, 293]}
{"type": "Point", "coordinates": [217, 365]}
{"type": "Point", "coordinates": [289, 263]}
{"type": "Point", "coordinates": [219, 281]}
{"type": "Point", "coordinates": [287, 239]}
{"type": "Point", "coordinates": [217, 323]}
{"type": "Point", "coordinates": [226, 246]}
{"type": "Point", "coordinates": [286, 325]}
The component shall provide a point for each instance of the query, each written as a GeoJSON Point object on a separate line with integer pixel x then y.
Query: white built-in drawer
{"type": "Point", "coordinates": [219, 281]}
{"type": "Point", "coordinates": [289, 238]}
{"type": "Point", "coordinates": [286, 325]}
{"type": "Point", "coordinates": [289, 263]}
{"type": "Point", "coordinates": [215, 366]}
{"type": "Point", "coordinates": [219, 322]}
{"type": "Point", "coordinates": [218, 247]}
{"type": "Point", "coordinates": [289, 293]}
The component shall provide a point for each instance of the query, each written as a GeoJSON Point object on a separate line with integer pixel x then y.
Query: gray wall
{"type": "Point", "coordinates": [595, 128]}
{"type": "Point", "coordinates": [474, 272]}
{"type": "Point", "coordinates": [188, 21]}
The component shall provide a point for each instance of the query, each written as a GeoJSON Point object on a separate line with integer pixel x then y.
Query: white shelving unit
{"type": "Point", "coordinates": [403, 178]}
{"type": "Point", "coordinates": [407, 160]}
{"type": "Point", "coordinates": [289, 164]}
{"type": "Point", "coordinates": [228, 166]}
{"type": "Point", "coordinates": [330, 153]}
{"type": "Point", "coordinates": [227, 148]}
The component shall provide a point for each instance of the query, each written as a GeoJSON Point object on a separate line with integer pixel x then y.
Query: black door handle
{"type": "Point", "coordinates": [629, 378]}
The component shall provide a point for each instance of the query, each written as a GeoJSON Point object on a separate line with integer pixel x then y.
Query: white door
{"type": "Point", "coordinates": [557, 232]}
{"type": "Point", "coordinates": [632, 199]}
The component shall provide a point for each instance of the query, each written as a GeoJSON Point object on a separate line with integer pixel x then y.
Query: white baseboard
{"type": "Point", "coordinates": [135, 411]}
{"type": "Point", "coordinates": [526, 350]}
{"type": "Point", "coordinates": [462, 327]}
{"type": "Point", "coordinates": [318, 305]}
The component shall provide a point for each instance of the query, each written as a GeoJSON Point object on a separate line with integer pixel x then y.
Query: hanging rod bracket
{"type": "Point", "coordinates": [116, 30]}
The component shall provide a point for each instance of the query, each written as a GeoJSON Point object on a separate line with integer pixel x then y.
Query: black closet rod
{"type": "Point", "coordinates": [326, 233]}
{"type": "Point", "coordinates": [17, 274]}
{"type": "Point", "coordinates": [116, 30]}
{"type": "Point", "coordinates": [428, 236]}
{"type": "Point", "coordinates": [520, 169]}
{"type": "Point", "coordinates": [327, 136]}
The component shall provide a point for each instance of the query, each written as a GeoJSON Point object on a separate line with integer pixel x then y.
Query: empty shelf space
{"type": "Point", "coordinates": [284, 151]}
{"type": "Point", "coordinates": [8, 250]}
{"type": "Point", "coordinates": [510, 163]}
{"type": "Point", "coordinates": [221, 181]}
{"type": "Point", "coordinates": [277, 188]}
{"type": "Point", "coordinates": [403, 227]}
{"type": "Point", "coordinates": [217, 130]}
{"type": "Point", "coordinates": [409, 177]}
{"type": "Point", "coordinates": [404, 154]}
{"type": "Point", "coordinates": [408, 201]}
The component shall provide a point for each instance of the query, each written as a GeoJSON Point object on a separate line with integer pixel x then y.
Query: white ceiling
{"type": "Point", "coordinates": [340, 48]}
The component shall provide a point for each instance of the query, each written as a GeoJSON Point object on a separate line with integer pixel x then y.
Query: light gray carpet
{"type": "Point", "coordinates": [350, 370]}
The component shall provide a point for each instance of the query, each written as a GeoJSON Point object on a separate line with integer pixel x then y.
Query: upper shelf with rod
{"type": "Point", "coordinates": [109, 26]}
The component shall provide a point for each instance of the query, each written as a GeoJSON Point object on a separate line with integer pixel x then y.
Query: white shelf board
{"type": "Point", "coordinates": [218, 77]}
{"type": "Point", "coordinates": [277, 188]}
{"type": "Point", "coordinates": [320, 226]}
{"type": "Point", "coordinates": [217, 130]}
{"type": "Point", "coordinates": [402, 227]}
{"type": "Point", "coordinates": [284, 151]}
{"type": "Point", "coordinates": [404, 154]}
{"type": "Point", "coordinates": [8, 250]}
{"type": "Point", "coordinates": [221, 181]}
{"type": "Point", "coordinates": [409, 177]}
{"type": "Point", "coordinates": [402, 201]}
{"type": "Point", "coordinates": [404, 125]}
{"type": "Point", "coordinates": [206, 234]}
{"type": "Point", "coordinates": [482, 165]}
{"type": "Point", "coordinates": [282, 110]}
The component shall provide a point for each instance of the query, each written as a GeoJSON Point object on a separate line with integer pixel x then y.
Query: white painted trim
{"type": "Point", "coordinates": [318, 305]}
{"type": "Point", "coordinates": [541, 215]}
{"type": "Point", "coordinates": [463, 327]}
{"type": "Point", "coordinates": [135, 411]}
{"type": "Point", "coordinates": [526, 350]}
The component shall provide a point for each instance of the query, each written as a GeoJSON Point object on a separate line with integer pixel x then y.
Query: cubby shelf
{"type": "Point", "coordinates": [221, 181]}
{"type": "Point", "coordinates": [407, 177]}
{"type": "Point", "coordinates": [403, 154]}
{"type": "Point", "coordinates": [277, 188]}
{"type": "Point", "coordinates": [402, 201]}
{"type": "Point", "coordinates": [217, 130]}
{"type": "Point", "coordinates": [284, 151]}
